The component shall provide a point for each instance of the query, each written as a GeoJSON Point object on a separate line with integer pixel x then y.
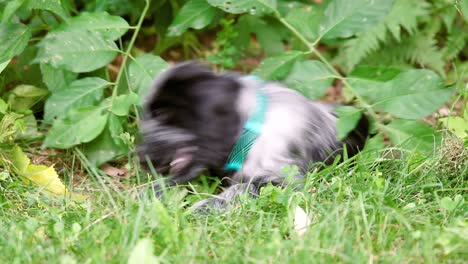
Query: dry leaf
{"type": "Point", "coordinates": [113, 171]}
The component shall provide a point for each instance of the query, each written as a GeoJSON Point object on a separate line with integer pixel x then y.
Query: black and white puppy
{"type": "Point", "coordinates": [194, 117]}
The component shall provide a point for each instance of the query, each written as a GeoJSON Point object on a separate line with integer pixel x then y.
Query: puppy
{"type": "Point", "coordinates": [243, 129]}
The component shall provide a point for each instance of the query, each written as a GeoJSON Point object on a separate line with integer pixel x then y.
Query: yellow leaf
{"type": "Point", "coordinates": [47, 178]}
{"type": "Point", "coordinates": [40, 175]}
{"type": "Point", "coordinates": [19, 159]}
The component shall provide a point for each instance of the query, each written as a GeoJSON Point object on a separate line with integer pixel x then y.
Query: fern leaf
{"type": "Point", "coordinates": [404, 14]}
{"type": "Point", "coordinates": [418, 49]}
{"type": "Point", "coordinates": [358, 48]}
{"type": "Point", "coordinates": [425, 52]}
{"type": "Point", "coordinates": [456, 42]}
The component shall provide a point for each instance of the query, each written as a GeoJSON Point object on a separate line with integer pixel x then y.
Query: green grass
{"type": "Point", "coordinates": [406, 210]}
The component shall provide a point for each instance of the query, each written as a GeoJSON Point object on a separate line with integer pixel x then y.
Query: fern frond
{"type": "Point", "coordinates": [424, 51]}
{"type": "Point", "coordinates": [358, 48]}
{"type": "Point", "coordinates": [404, 15]}
{"type": "Point", "coordinates": [417, 49]}
{"type": "Point", "coordinates": [456, 42]}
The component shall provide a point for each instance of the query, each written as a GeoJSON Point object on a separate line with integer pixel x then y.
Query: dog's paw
{"type": "Point", "coordinates": [156, 190]}
{"type": "Point", "coordinates": [210, 205]}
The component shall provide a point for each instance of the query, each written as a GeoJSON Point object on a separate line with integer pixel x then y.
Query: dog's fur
{"type": "Point", "coordinates": [193, 117]}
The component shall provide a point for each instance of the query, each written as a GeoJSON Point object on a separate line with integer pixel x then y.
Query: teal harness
{"type": "Point", "coordinates": [252, 129]}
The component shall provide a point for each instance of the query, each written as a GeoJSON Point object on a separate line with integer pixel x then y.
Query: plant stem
{"type": "Point", "coordinates": [313, 50]}
{"type": "Point", "coordinates": [129, 49]}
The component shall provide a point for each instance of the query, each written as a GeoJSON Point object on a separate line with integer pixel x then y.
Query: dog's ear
{"type": "Point", "coordinates": [175, 81]}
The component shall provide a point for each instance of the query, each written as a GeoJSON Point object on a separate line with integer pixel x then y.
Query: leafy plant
{"type": "Point", "coordinates": [77, 73]}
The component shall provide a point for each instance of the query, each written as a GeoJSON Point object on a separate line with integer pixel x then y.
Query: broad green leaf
{"type": "Point", "coordinates": [106, 146]}
{"type": "Point", "coordinates": [80, 126]}
{"type": "Point", "coordinates": [253, 7]}
{"type": "Point", "coordinates": [381, 74]}
{"type": "Point", "coordinates": [344, 18]}
{"type": "Point", "coordinates": [413, 94]}
{"type": "Point", "coordinates": [83, 92]}
{"type": "Point", "coordinates": [55, 78]}
{"type": "Point", "coordinates": [458, 125]}
{"type": "Point", "coordinates": [348, 118]}
{"type": "Point", "coordinates": [312, 78]}
{"type": "Point", "coordinates": [195, 14]}
{"type": "Point", "coordinates": [270, 35]}
{"type": "Point", "coordinates": [54, 6]}
{"type": "Point", "coordinates": [76, 50]}
{"type": "Point", "coordinates": [23, 97]}
{"type": "Point", "coordinates": [143, 252]}
{"type": "Point", "coordinates": [122, 103]}
{"type": "Point", "coordinates": [111, 27]}
{"type": "Point", "coordinates": [10, 10]}
{"type": "Point", "coordinates": [277, 67]}
{"type": "Point", "coordinates": [305, 20]}
{"type": "Point", "coordinates": [413, 135]}
{"type": "Point", "coordinates": [14, 38]}
{"type": "Point", "coordinates": [142, 72]}
{"type": "Point", "coordinates": [4, 64]}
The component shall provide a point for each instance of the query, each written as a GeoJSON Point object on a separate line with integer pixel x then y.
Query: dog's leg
{"type": "Point", "coordinates": [231, 195]}
{"type": "Point", "coordinates": [158, 186]}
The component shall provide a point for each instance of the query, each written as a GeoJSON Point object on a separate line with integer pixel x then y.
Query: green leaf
{"type": "Point", "coordinates": [106, 147]}
{"type": "Point", "coordinates": [379, 74]}
{"type": "Point", "coordinates": [10, 10]}
{"type": "Point", "coordinates": [413, 94]}
{"type": "Point", "coordinates": [122, 103]}
{"type": "Point", "coordinates": [277, 67]}
{"type": "Point", "coordinates": [54, 6]}
{"type": "Point", "coordinates": [110, 27]}
{"type": "Point", "coordinates": [3, 106]}
{"type": "Point", "coordinates": [254, 7]}
{"type": "Point", "coordinates": [23, 97]}
{"type": "Point", "coordinates": [14, 38]}
{"type": "Point", "coordinates": [305, 20]}
{"type": "Point", "coordinates": [344, 18]}
{"type": "Point", "coordinates": [312, 78]}
{"type": "Point", "coordinates": [413, 135]}
{"type": "Point", "coordinates": [76, 50]}
{"type": "Point", "coordinates": [195, 14]}
{"type": "Point", "coordinates": [80, 126]}
{"type": "Point", "coordinates": [83, 92]}
{"type": "Point", "coordinates": [458, 125]}
{"type": "Point", "coordinates": [270, 34]}
{"type": "Point", "coordinates": [450, 204]}
{"type": "Point", "coordinates": [348, 118]}
{"type": "Point", "coordinates": [55, 78]}
{"type": "Point", "coordinates": [4, 64]}
{"type": "Point", "coordinates": [142, 72]}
